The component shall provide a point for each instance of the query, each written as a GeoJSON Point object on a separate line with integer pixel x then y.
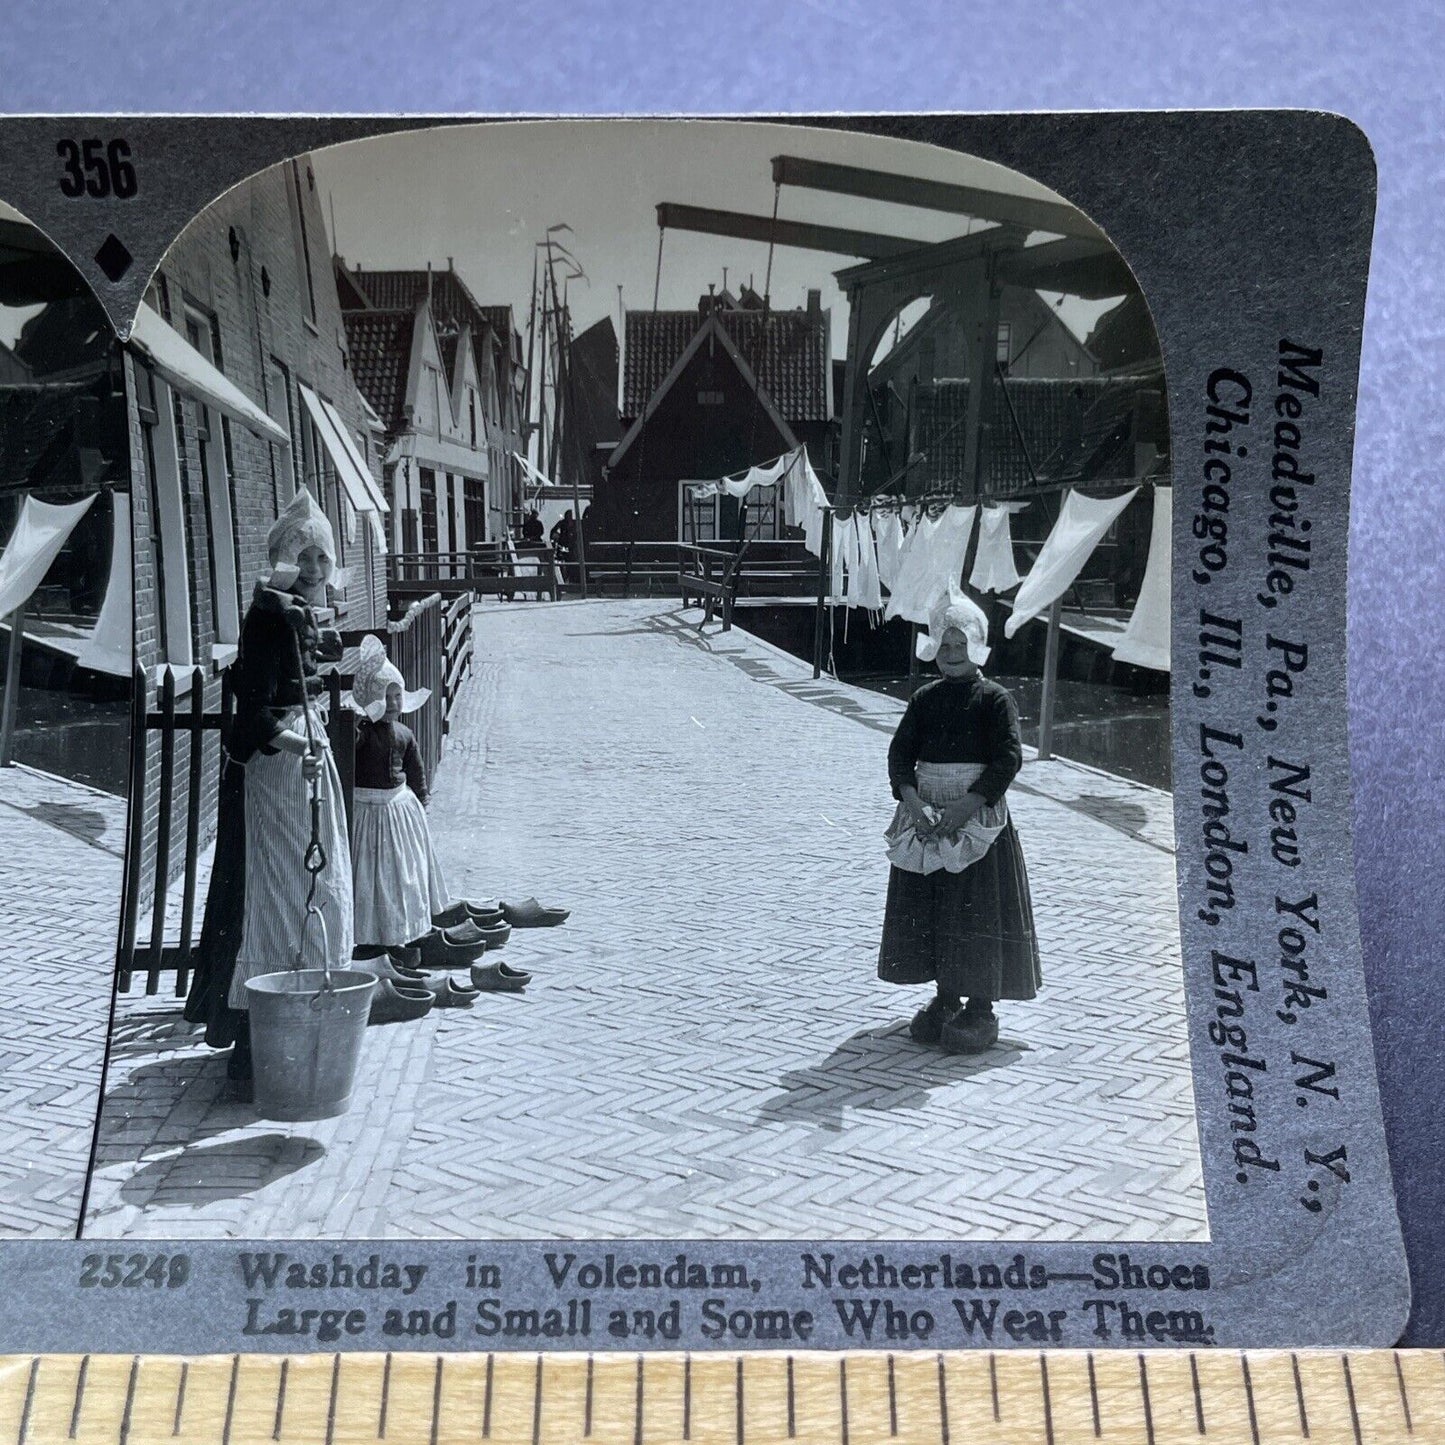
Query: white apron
{"type": "Point", "coordinates": [278, 832]}
{"type": "Point", "coordinates": [397, 879]}
{"type": "Point", "coordinates": [938, 785]}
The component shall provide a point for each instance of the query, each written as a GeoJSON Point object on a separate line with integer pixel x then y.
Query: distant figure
{"type": "Point", "coordinates": [532, 528]}
{"type": "Point", "coordinates": [564, 542]}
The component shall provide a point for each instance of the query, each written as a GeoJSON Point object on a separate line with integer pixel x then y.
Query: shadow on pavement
{"type": "Point", "coordinates": [878, 1069]}
{"type": "Point", "coordinates": [227, 1169]}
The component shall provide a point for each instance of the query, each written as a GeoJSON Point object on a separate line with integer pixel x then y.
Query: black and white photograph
{"type": "Point", "coordinates": [651, 697]}
{"type": "Point", "coordinates": [65, 716]}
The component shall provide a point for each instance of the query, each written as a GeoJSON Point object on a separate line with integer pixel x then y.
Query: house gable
{"type": "Point", "coordinates": [711, 331]}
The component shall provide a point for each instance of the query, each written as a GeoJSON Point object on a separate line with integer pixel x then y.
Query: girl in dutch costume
{"type": "Point", "coordinates": [958, 913]}
{"type": "Point", "coordinates": [256, 907]}
{"type": "Point", "coordinates": [397, 879]}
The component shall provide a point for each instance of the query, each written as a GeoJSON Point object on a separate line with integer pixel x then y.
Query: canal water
{"type": "Point", "coordinates": [73, 735]}
{"type": "Point", "coordinates": [1095, 723]}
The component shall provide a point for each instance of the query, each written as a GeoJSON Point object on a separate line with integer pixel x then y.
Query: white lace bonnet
{"type": "Point", "coordinates": [303, 524]}
{"type": "Point", "coordinates": [374, 673]}
{"type": "Point", "coordinates": [956, 610]}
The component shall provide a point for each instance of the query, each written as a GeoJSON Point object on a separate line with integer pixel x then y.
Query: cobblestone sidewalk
{"type": "Point", "coordinates": [61, 856]}
{"type": "Point", "coordinates": [705, 1050]}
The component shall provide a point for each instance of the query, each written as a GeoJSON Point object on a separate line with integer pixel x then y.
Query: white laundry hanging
{"type": "Point", "coordinates": [109, 648]}
{"type": "Point", "coordinates": [1082, 522]}
{"type": "Point", "coordinates": [865, 589]}
{"type": "Point", "coordinates": [1145, 642]}
{"type": "Point", "coordinates": [34, 544]}
{"type": "Point", "coordinates": [853, 551]}
{"type": "Point", "coordinates": [888, 538]}
{"type": "Point", "coordinates": [993, 562]}
{"type": "Point", "coordinates": [933, 559]}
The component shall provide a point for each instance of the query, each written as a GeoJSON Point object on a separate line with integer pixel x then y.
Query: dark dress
{"type": "Point", "coordinates": [971, 932]}
{"type": "Point", "coordinates": [387, 756]}
{"type": "Point", "coordinates": [265, 686]}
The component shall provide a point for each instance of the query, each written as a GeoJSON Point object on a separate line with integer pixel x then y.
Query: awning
{"type": "Point", "coordinates": [184, 367]}
{"type": "Point", "coordinates": [361, 489]}
{"type": "Point", "coordinates": [373, 489]}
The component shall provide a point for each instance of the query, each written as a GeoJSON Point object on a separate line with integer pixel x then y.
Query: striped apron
{"type": "Point", "coordinates": [278, 832]}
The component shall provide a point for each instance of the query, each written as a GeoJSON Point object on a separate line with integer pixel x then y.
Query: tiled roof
{"type": "Point", "coordinates": [1071, 426]}
{"type": "Point", "coordinates": [452, 300]}
{"type": "Point", "coordinates": [379, 343]}
{"type": "Point", "coordinates": [452, 304]}
{"type": "Point", "coordinates": [787, 350]}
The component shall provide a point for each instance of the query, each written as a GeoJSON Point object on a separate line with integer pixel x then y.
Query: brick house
{"type": "Point", "coordinates": [444, 374]}
{"type": "Point", "coordinates": [240, 390]}
{"type": "Point", "coordinates": [707, 393]}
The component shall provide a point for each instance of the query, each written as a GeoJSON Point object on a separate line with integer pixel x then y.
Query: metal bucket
{"type": "Point", "coordinates": [306, 1040]}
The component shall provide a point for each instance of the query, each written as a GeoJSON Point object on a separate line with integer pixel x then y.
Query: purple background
{"type": "Point", "coordinates": [1380, 65]}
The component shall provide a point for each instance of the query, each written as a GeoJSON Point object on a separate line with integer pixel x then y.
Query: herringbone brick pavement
{"type": "Point", "coordinates": [705, 1051]}
{"type": "Point", "coordinates": [61, 850]}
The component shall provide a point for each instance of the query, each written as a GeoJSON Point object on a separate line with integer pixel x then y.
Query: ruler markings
{"type": "Point", "coordinates": [637, 1417]}
{"type": "Point", "coordinates": [942, 1402]}
{"type": "Point", "coordinates": [739, 1390]}
{"type": "Point", "coordinates": [1144, 1393]}
{"type": "Point", "coordinates": [1249, 1396]}
{"type": "Point", "coordinates": [280, 1400]}
{"type": "Point", "coordinates": [1404, 1397]}
{"type": "Point", "coordinates": [537, 1404]}
{"type": "Point", "coordinates": [1350, 1392]}
{"type": "Point", "coordinates": [1048, 1403]}
{"type": "Point", "coordinates": [436, 1401]}
{"type": "Point", "coordinates": [79, 1395]}
{"type": "Point", "coordinates": [125, 1414]}
{"type": "Point", "coordinates": [181, 1397]}
{"type": "Point", "coordinates": [331, 1406]}
{"type": "Point", "coordinates": [23, 1434]}
{"type": "Point", "coordinates": [385, 1398]}
{"type": "Point", "coordinates": [105, 1401]}
{"type": "Point", "coordinates": [1299, 1396]}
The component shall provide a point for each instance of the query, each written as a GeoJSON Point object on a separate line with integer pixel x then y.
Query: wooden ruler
{"type": "Point", "coordinates": [962, 1398]}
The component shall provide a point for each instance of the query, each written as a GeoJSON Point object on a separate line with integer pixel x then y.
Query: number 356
{"type": "Point", "coordinates": [96, 168]}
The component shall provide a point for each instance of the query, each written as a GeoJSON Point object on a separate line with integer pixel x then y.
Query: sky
{"type": "Point", "coordinates": [483, 195]}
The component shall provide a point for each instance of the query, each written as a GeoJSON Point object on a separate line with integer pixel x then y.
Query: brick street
{"type": "Point", "coordinates": [705, 1050]}
{"type": "Point", "coordinates": [61, 851]}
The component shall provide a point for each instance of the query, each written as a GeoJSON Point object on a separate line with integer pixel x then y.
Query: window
{"type": "Point", "coordinates": [217, 491]}
{"type": "Point", "coordinates": [279, 405]}
{"type": "Point", "coordinates": [711, 398]}
{"type": "Point", "coordinates": [303, 242]}
{"type": "Point", "coordinates": [155, 404]}
{"type": "Point", "coordinates": [1003, 352]}
{"type": "Point", "coordinates": [757, 516]}
{"type": "Point", "coordinates": [472, 415]}
{"type": "Point", "coordinates": [428, 511]}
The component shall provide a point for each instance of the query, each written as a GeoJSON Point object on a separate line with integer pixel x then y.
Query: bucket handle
{"type": "Point", "coordinates": [314, 860]}
{"type": "Point", "coordinates": [327, 986]}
